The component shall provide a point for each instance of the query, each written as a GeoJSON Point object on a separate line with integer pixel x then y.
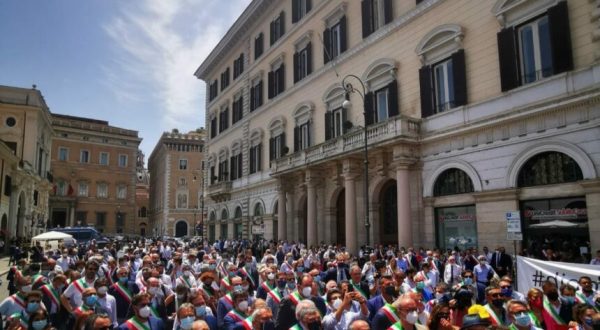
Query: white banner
{"type": "Point", "coordinates": [533, 273]}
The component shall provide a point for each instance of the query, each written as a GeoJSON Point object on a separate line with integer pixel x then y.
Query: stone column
{"type": "Point", "coordinates": [404, 211]}
{"type": "Point", "coordinates": [311, 216]}
{"type": "Point", "coordinates": [72, 214]}
{"type": "Point", "coordinates": [281, 214]}
{"type": "Point", "coordinates": [592, 199]}
{"type": "Point", "coordinates": [350, 203]}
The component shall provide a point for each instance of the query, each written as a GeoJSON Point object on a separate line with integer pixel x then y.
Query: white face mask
{"type": "Point", "coordinates": [187, 273]}
{"type": "Point", "coordinates": [26, 288]}
{"type": "Point", "coordinates": [438, 295]}
{"type": "Point", "coordinates": [243, 306]}
{"type": "Point", "coordinates": [271, 276]}
{"type": "Point", "coordinates": [153, 290]}
{"type": "Point", "coordinates": [102, 290]}
{"type": "Point", "coordinates": [412, 317]}
{"type": "Point", "coordinates": [145, 311]}
{"type": "Point", "coordinates": [337, 303]}
{"type": "Point", "coordinates": [306, 292]}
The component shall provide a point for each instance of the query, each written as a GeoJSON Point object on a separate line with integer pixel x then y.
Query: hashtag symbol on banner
{"type": "Point", "coordinates": [538, 278]}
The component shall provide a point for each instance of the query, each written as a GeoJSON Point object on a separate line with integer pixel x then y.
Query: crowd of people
{"type": "Point", "coordinates": [154, 284]}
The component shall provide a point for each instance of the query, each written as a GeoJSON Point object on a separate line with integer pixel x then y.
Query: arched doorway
{"type": "Point", "coordinates": [181, 228]}
{"type": "Point", "coordinates": [302, 221]}
{"type": "Point", "coordinates": [388, 213]}
{"type": "Point", "coordinates": [143, 229]}
{"type": "Point", "coordinates": [21, 215]}
{"type": "Point", "coordinates": [341, 218]}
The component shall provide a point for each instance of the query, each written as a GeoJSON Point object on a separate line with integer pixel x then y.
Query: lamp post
{"type": "Point", "coordinates": [350, 89]}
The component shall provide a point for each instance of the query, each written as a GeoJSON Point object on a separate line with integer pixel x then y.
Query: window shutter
{"type": "Point", "coordinates": [271, 84]}
{"type": "Point", "coordinates": [282, 22]}
{"type": "Point", "coordinates": [239, 159]}
{"type": "Point", "coordinates": [259, 100]}
{"type": "Point", "coordinates": [272, 34]}
{"type": "Point", "coordinates": [241, 64]}
{"type": "Point", "coordinates": [309, 132]}
{"type": "Point", "coordinates": [367, 17]}
{"type": "Point", "coordinates": [282, 144]}
{"type": "Point", "coordinates": [259, 157]}
{"type": "Point", "coordinates": [256, 49]}
{"type": "Point", "coordinates": [252, 162]}
{"type": "Point", "coordinates": [281, 80]}
{"type": "Point", "coordinates": [344, 120]}
{"type": "Point", "coordinates": [212, 174]}
{"type": "Point", "coordinates": [343, 35]}
{"type": "Point", "coordinates": [252, 99]}
{"type": "Point", "coordinates": [509, 75]}
{"type": "Point", "coordinates": [389, 11]}
{"type": "Point", "coordinates": [232, 171]}
{"type": "Point", "coordinates": [271, 149]}
{"type": "Point", "coordinates": [308, 58]}
{"type": "Point", "coordinates": [369, 108]}
{"type": "Point", "coordinates": [393, 98]}
{"type": "Point", "coordinates": [296, 138]}
{"type": "Point", "coordinates": [295, 11]}
{"type": "Point", "coordinates": [296, 69]}
{"type": "Point", "coordinates": [460, 78]}
{"type": "Point", "coordinates": [328, 126]}
{"type": "Point", "coordinates": [426, 91]}
{"type": "Point", "coordinates": [560, 37]}
{"type": "Point", "coordinates": [326, 45]}
{"type": "Point", "coordinates": [308, 5]}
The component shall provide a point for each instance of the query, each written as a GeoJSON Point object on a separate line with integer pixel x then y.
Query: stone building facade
{"type": "Point", "coordinates": [176, 184]}
{"type": "Point", "coordinates": [26, 138]}
{"type": "Point", "coordinates": [472, 109]}
{"type": "Point", "coordinates": [95, 175]}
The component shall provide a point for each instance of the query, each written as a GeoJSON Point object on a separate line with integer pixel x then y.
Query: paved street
{"type": "Point", "coordinates": [3, 271]}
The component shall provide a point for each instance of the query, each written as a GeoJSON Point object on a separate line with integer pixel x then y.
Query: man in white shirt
{"type": "Point", "coordinates": [65, 261]}
{"type": "Point", "coordinates": [71, 298]}
{"type": "Point", "coordinates": [107, 302]}
{"type": "Point", "coordinates": [452, 272]}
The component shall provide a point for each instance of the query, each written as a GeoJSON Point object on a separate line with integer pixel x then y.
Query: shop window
{"type": "Point", "coordinates": [224, 233]}
{"type": "Point", "coordinates": [549, 168]}
{"type": "Point", "coordinates": [238, 230]}
{"type": "Point", "coordinates": [451, 182]}
{"type": "Point", "coordinates": [456, 226]}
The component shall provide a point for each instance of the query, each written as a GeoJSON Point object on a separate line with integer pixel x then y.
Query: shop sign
{"type": "Point", "coordinates": [258, 229]}
{"type": "Point", "coordinates": [456, 217]}
{"type": "Point", "coordinates": [555, 214]}
{"type": "Point", "coordinates": [513, 222]}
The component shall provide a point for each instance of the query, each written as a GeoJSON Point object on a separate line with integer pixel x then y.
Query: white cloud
{"type": "Point", "coordinates": [159, 46]}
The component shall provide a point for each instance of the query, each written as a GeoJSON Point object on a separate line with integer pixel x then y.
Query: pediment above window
{"type": "Point", "coordinates": [335, 15]}
{"type": "Point", "coordinates": [439, 43]}
{"type": "Point", "coordinates": [380, 73]}
{"type": "Point", "coordinates": [334, 96]}
{"type": "Point", "coordinates": [303, 40]}
{"type": "Point", "coordinates": [514, 12]}
{"type": "Point", "coordinates": [303, 112]}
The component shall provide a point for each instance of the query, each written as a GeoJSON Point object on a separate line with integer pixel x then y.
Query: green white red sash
{"type": "Point", "coordinates": [226, 282]}
{"type": "Point", "coordinates": [390, 313]}
{"type": "Point", "coordinates": [549, 309]}
{"type": "Point", "coordinates": [582, 299]}
{"type": "Point", "coordinates": [19, 300]}
{"type": "Point", "coordinates": [23, 319]}
{"type": "Point", "coordinates": [80, 285]}
{"type": "Point", "coordinates": [271, 292]}
{"type": "Point", "coordinates": [123, 291]}
{"type": "Point", "coordinates": [245, 272]}
{"type": "Point", "coordinates": [358, 288]}
{"type": "Point", "coordinates": [295, 297]}
{"type": "Point", "coordinates": [534, 319]}
{"type": "Point", "coordinates": [228, 299]}
{"type": "Point", "coordinates": [185, 281]}
{"type": "Point", "coordinates": [37, 278]}
{"type": "Point", "coordinates": [496, 320]}
{"type": "Point", "coordinates": [207, 291]}
{"type": "Point", "coordinates": [396, 326]}
{"type": "Point", "coordinates": [51, 292]}
{"type": "Point", "coordinates": [135, 324]}
{"type": "Point", "coordinates": [296, 327]}
{"type": "Point", "coordinates": [237, 317]}
{"type": "Point", "coordinates": [81, 309]}
{"type": "Point", "coordinates": [247, 323]}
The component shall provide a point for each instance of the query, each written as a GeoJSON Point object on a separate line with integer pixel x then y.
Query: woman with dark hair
{"type": "Point", "coordinates": [39, 320]}
{"type": "Point", "coordinates": [439, 319]}
{"type": "Point", "coordinates": [583, 317]}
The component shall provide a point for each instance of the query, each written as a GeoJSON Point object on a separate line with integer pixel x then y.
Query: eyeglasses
{"type": "Point", "coordinates": [505, 287]}
{"type": "Point", "coordinates": [495, 295]}
{"type": "Point", "coordinates": [470, 276]}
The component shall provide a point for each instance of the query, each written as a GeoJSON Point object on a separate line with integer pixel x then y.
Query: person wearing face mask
{"type": "Point", "coordinates": [203, 312]}
{"type": "Point", "coordinates": [280, 291]}
{"type": "Point", "coordinates": [286, 317]}
{"type": "Point", "coordinates": [51, 296]}
{"type": "Point", "coordinates": [88, 307]}
{"type": "Point", "coordinates": [187, 278]}
{"type": "Point", "coordinates": [557, 313]}
{"type": "Point", "coordinates": [226, 284]}
{"type": "Point", "coordinates": [15, 303]}
{"type": "Point", "coordinates": [142, 318]}
{"type": "Point", "coordinates": [339, 313]}
{"type": "Point", "coordinates": [20, 320]}
{"type": "Point", "coordinates": [39, 320]}
{"type": "Point", "coordinates": [495, 306]}
{"type": "Point", "coordinates": [422, 289]}
{"type": "Point", "coordinates": [164, 278]}
{"type": "Point", "coordinates": [402, 312]}
{"type": "Point", "coordinates": [123, 291]}
{"type": "Point", "coordinates": [585, 317]}
{"type": "Point", "coordinates": [288, 264]}
{"type": "Point", "coordinates": [520, 317]}
{"type": "Point", "coordinates": [238, 314]}
{"type": "Point", "coordinates": [508, 292]}
{"type": "Point", "coordinates": [387, 295]}
{"type": "Point", "coordinates": [431, 275]}
{"type": "Point", "coordinates": [225, 303]}
{"type": "Point", "coordinates": [185, 317]}
{"type": "Point", "coordinates": [483, 273]}
{"type": "Point", "coordinates": [307, 316]}
{"type": "Point", "coordinates": [161, 299]}
{"type": "Point", "coordinates": [452, 272]}
{"type": "Point", "coordinates": [72, 297]}
{"type": "Point", "coordinates": [207, 279]}
{"type": "Point", "coordinates": [107, 304]}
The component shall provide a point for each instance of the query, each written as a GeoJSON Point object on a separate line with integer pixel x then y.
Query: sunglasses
{"type": "Point", "coordinates": [495, 295]}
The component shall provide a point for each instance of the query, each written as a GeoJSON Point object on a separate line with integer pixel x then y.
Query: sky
{"type": "Point", "coordinates": [130, 62]}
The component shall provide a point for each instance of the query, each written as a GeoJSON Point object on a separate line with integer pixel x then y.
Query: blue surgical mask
{"type": "Point", "coordinates": [569, 300]}
{"type": "Point", "coordinates": [468, 281]}
{"type": "Point", "coordinates": [32, 307]}
{"type": "Point", "coordinates": [201, 311]}
{"type": "Point", "coordinates": [300, 269]}
{"type": "Point", "coordinates": [39, 324]}
{"type": "Point", "coordinates": [186, 322]}
{"type": "Point", "coordinates": [212, 266]}
{"type": "Point", "coordinates": [522, 319]}
{"type": "Point", "coordinates": [91, 300]}
{"type": "Point", "coordinates": [238, 288]}
{"type": "Point", "coordinates": [507, 292]}
{"type": "Point", "coordinates": [123, 279]}
{"type": "Point", "coordinates": [589, 321]}
{"type": "Point", "coordinates": [420, 285]}
{"type": "Point", "coordinates": [291, 285]}
{"type": "Point", "coordinates": [232, 274]}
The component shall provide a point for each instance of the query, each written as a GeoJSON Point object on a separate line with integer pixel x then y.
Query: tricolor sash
{"type": "Point", "coordinates": [245, 272]}
{"type": "Point", "coordinates": [19, 300]}
{"type": "Point", "coordinates": [247, 323]}
{"type": "Point", "coordinates": [80, 285]}
{"type": "Point", "coordinates": [228, 299]}
{"type": "Point", "coordinates": [135, 324]}
{"type": "Point", "coordinates": [237, 317]}
{"type": "Point", "coordinates": [81, 309]}
{"type": "Point", "coordinates": [37, 279]}
{"type": "Point", "coordinates": [185, 281]}
{"type": "Point", "coordinates": [534, 319]}
{"type": "Point", "coordinates": [396, 326]}
{"type": "Point", "coordinates": [23, 319]}
{"type": "Point", "coordinates": [226, 282]}
{"type": "Point", "coordinates": [207, 291]}
{"type": "Point", "coordinates": [357, 288]}
{"type": "Point", "coordinates": [271, 292]}
{"type": "Point", "coordinates": [295, 297]}
{"type": "Point", "coordinates": [549, 309]}
{"type": "Point", "coordinates": [123, 291]}
{"type": "Point", "coordinates": [51, 292]}
{"type": "Point", "coordinates": [496, 320]}
{"type": "Point", "coordinates": [154, 312]}
{"type": "Point", "coordinates": [390, 313]}
{"type": "Point", "coordinates": [582, 299]}
{"type": "Point", "coordinates": [296, 327]}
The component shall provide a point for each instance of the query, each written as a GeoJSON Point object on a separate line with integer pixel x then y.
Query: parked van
{"type": "Point", "coordinates": [84, 235]}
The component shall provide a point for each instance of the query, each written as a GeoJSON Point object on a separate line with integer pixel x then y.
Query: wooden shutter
{"type": "Point", "coordinates": [272, 34]}
{"type": "Point", "coordinates": [252, 162]}
{"type": "Point", "coordinates": [241, 65]}
{"type": "Point", "coordinates": [282, 22]}
{"type": "Point", "coordinates": [256, 46]}
{"type": "Point", "coordinates": [259, 100]}
{"type": "Point", "coordinates": [295, 11]}
{"type": "Point", "coordinates": [326, 45]}
{"type": "Point", "coordinates": [282, 144]}
{"type": "Point", "coordinates": [252, 99]}
{"type": "Point", "coordinates": [389, 11]}
{"type": "Point", "coordinates": [308, 5]}
{"type": "Point", "coordinates": [271, 149]}
{"type": "Point", "coordinates": [344, 120]}
{"type": "Point", "coordinates": [212, 174]}
{"type": "Point", "coordinates": [271, 84]}
{"type": "Point", "coordinates": [296, 138]}
{"type": "Point", "coordinates": [393, 98]}
{"type": "Point", "coordinates": [259, 157]}
{"type": "Point", "coordinates": [281, 80]}
{"type": "Point", "coordinates": [459, 78]}
{"type": "Point", "coordinates": [367, 17]}
{"type": "Point", "coordinates": [369, 108]}
{"type": "Point", "coordinates": [232, 171]}
{"type": "Point", "coordinates": [239, 167]}
{"type": "Point", "coordinates": [343, 35]}
{"type": "Point", "coordinates": [296, 67]}
{"type": "Point", "coordinates": [328, 125]}
{"type": "Point", "coordinates": [426, 91]}
{"type": "Point", "coordinates": [560, 38]}
{"type": "Point", "coordinates": [509, 73]}
{"type": "Point", "coordinates": [308, 58]}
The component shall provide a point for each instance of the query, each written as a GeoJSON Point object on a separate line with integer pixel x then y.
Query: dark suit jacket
{"type": "Point", "coordinates": [331, 274]}
{"type": "Point", "coordinates": [380, 321]}
{"type": "Point", "coordinates": [286, 317]}
{"type": "Point", "coordinates": [155, 324]}
{"type": "Point", "coordinates": [373, 305]}
{"type": "Point", "coordinates": [505, 262]}
{"type": "Point", "coordinates": [122, 304]}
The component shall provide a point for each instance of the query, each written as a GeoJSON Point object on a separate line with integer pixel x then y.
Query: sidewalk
{"type": "Point", "coordinates": [4, 265]}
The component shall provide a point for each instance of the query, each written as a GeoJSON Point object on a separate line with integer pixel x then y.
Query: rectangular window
{"type": "Point", "coordinates": [338, 122]}
{"type": "Point", "coordinates": [334, 40]}
{"type": "Point", "coordinates": [213, 90]}
{"type": "Point", "coordinates": [277, 28]}
{"type": "Point", "coordinates": [381, 104]}
{"type": "Point", "coordinates": [82, 190]}
{"type": "Point", "coordinates": [255, 158]}
{"type": "Point", "coordinates": [223, 171]}
{"type": "Point", "coordinates": [299, 9]}
{"type": "Point", "coordinates": [120, 220]}
{"type": "Point", "coordinates": [238, 66]}
{"type": "Point", "coordinates": [277, 146]}
{"type": "Point", "coordinates": [84, 156]}
{"type": "Point", "coordinates": [102, 190]}
{"type": "Point", "coordinates": [256, 95]}
{"type": "Point", "coordinates": [236, 166]}
{"type": "Point", "coordinates": [214, 129]}
{"type": "Point", "coordinates": [183, 164]}
{"type": "Point", "coordinates": [103, 158]}
{"type": "Point", "coordinates": [81, 218]}
{"type": "Point", "coordinates": [224, 79]}
{"type": "Point", "coordinates": [304, 136]}
{"type": "Point", "coordinates": [456, 226]}
{"type": "Point", "coordinates": [237, 109]}
{"type": "Point", "coordinates": [63, 154]}
{"type": "Point", "coordinates": [100, 219]}
{"type": "Point", "coordinates": [535, 53]}
{"type": "Point", "coordinates": [122, 160]}
{"type": "Point", "coordinates": [223, 120]}
{"type": "Point", "coordinates": [375, 14]}
{"type": "Point", "coordinates": [259, 42]}
{"type": "Point", "coordinates": [121, 192]}
{"type": "Point", "coordinates": [444, 86]}
{"type": "Point", "coordinates": [302, 63]}
{"type": "Point", "coordinates": [277, 81]}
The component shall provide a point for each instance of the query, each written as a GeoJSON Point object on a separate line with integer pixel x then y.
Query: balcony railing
{"type": "Point", "coordinates": [397, 127]}
{"type": "Point", "coordinates": [220, 190]}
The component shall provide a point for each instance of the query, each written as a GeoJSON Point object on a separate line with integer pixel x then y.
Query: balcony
{"type": "Point", "coordinates": [220, 191]}
{"type": "Point", "coordinates": [399, 127]}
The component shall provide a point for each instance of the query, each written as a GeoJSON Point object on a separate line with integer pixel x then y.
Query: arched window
{"type": "Point", "coordinates": [451, 182]}
{"type": "Point", "coordinates": [258, 210]}
{"type": "Point", "coordinates": [549, 168]}
{"type": "Point", "coordinates": [238, 213]}
{"type": "Point", "coordinates": [212, 217]}
{"type": "Point", "coordinates": [224, 214]}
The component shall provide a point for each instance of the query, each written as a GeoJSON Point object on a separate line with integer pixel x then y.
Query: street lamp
{"type": "Point", "coordinates": [350, 89]}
